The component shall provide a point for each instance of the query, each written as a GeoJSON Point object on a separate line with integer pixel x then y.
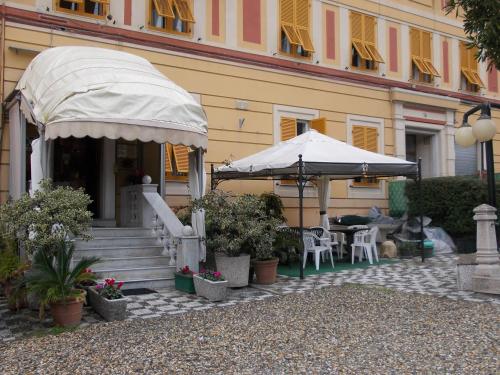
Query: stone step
{"type": "Point", "coordinates": [130, 262]}
{"type": "Point", "coordinates": [154, 284]}
{"type": "Point", "coordinates": [121, 232]}
{"type": "Point", "coordinates": [120, 252]}
{"type": "Point", "coordinates": [137, 273]}
{"type": "Point", "coordinates": [106, 242]}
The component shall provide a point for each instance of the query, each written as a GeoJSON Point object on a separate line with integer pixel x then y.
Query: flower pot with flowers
{"type": "Point", "coordinates": [88, 278]}
{"type": "Point", "coordinates": [210, 285]}
{"type": "Point", "coordinates": [108, 300]}
{"type": "Point", "coordinates": [184, 280]}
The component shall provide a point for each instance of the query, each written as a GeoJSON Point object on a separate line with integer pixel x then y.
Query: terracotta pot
{"type": "Point", "coordinates": [67, 313]}
{"type": "Point", "coordinates": [266, 271]}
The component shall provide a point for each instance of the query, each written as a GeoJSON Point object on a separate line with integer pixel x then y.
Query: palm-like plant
{"type": "Point", "coordinates": [52, 277]}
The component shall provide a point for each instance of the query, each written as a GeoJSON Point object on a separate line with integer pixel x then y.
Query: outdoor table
{"type": "Point", "coordinates": [349, 233]}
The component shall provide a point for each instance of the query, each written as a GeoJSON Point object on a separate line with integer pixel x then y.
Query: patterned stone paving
{"type": "Point", "coordinates": [437, 276]}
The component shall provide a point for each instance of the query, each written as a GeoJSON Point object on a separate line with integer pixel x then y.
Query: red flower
{"type": "Point", "coordinates": [120, 284]}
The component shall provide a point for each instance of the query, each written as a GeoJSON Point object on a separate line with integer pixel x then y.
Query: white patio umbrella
{"type": "Point", "coordinates": [312, 155]}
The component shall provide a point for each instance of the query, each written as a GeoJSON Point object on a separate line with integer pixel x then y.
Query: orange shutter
{"type": "Point", "coordinates": [319, 124]}
{"type": "Point", "coordinates": [81, 2]}
{"type": "Point", "coordinates": [426, 55]}
{"type": "Point", "coordinates": [370, 32]}
{"type": "Point", "coordinates": [366, 138]}
{"type": "Point", "coordinates": [104, 2]}
{"type": "Point", "coordinates": [168, 158]}
{"type": "Point", "coordinates": [357, 36]}
{"type": "Point", "coordinates": [164, 8]}
{"type": "Point", "coordinates": [302, 24]}
{"type": "Point", "coordinates": [288, 131]}
{"type": "Point", "coordinates": [181, 155]}
{"type": "Point", "coordinates": [287, 17]}
{"type": "Point", "coordinates": [468, 65]}
{"type": "Point", "coordinates": [371, 139]}
{"type": "Point", "coordinates": [288, 128]}
{"type": "Point", "coordinates": [184, 10]}
{"type": "Point", "coordinates": [416, 51]}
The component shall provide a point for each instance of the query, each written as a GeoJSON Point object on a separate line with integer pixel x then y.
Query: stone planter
{"type": "Point", "coordinates": [184, 282]}
{"type": "Point", "coordinates": [211, 290]}
{"type": "Point", "coordinates": [109, 309]}
{"type": "Point", "coordinates": [466, 265]}
{"type": "Point", "coordinates": [234, 269]}
{"type": "Point", "coordinates": [266, 271]}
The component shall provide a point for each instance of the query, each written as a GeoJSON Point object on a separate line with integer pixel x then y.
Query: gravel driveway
{"type": "Point", "coordinates": [347, 329]}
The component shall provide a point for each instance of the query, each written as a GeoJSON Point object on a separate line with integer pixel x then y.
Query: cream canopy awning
{"type": "Point", "coordinates": [96, 92]}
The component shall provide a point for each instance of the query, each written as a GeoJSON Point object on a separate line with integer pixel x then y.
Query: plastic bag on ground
{"type": "Point", "coordinates": [443, 244]}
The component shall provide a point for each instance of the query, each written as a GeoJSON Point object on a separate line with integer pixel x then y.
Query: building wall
{"type": "Point", "coordinates": [320, 84]}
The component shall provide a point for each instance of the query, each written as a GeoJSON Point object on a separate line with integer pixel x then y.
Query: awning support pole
{"type": "Point", "coordinates": [420, 208]}
{"type": "Point", "coordinates": [301, 216]}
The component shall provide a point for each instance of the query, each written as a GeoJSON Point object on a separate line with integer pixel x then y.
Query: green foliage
{"type": "Point", "coordinates": [273, 206]}
{"type": "Point", "coordinates": [47, 218]}
{"type": "Point", "coordinates": [286, 246]}
{"type": "Point", "coordinates": [53, 278]}
{"type": "Point", "coordinates": [9, 260]}
{"type": "Point", "coordinates": [236, 225]}
{"type": "Point", "coordinates": [482, 26]}
{"type": "Point", "coordinates": [448, 201]}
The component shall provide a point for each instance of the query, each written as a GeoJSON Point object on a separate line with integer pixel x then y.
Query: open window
{"type": "Point", "coordinates": [295, 28]}
{"type": "Point", "coordinates": [364, 53]}
{"type": "Point", "coordinates": [176, 162]}
{"type": "Point", "coordinates": [421, 58]}
{"type": "Point", "coordinates": [469, 77]}
{"type": "Point", "coordinates": [88, 8]}
{"type": "Point", "coordinates": [172, 16]}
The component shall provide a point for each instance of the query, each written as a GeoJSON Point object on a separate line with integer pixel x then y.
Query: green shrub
{"type": "Point", "coordinates": [448, 201]}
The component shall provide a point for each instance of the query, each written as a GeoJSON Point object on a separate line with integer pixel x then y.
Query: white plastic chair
{"type": "Point", "coordinates": [362, 246]}
{"type": "Point", "coordinates": [373, 241]}
{"type": "Point", "coordinates": [341, 240]}
{"type": "Point", "coordinates": [318, 250]}
{"type": "Point", "coordinates": [326, 238]}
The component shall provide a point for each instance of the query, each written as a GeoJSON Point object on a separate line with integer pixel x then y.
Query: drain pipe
{"type": "Point", "coordinates": [2, 79]}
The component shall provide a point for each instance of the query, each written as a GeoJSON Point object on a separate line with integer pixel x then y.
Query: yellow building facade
{"type": "Point", "coordinates": [390, 76]}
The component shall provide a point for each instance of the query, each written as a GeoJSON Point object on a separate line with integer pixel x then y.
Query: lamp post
{"type": "Point", "coordinates": [483, 131]}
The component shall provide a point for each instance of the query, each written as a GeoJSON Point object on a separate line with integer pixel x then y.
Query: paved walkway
{"type": "Point", "coordinates": [437, 276]}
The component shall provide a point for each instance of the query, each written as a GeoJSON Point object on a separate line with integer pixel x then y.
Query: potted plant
{"type": "Point", "coordinates": [184, 280]}
{"type": "Point", "coordinates": [11, 275]}
{"type": "Point", "coordinates": [54, 280]}
{"type": "Point", "coordinates": [210, 285]}
{"type": "Point", "coordinates": [226, 231]}
{"type": "Point", "coordinates": [86, 282]}
{"type": "Point", "coordinates": [108, 300]}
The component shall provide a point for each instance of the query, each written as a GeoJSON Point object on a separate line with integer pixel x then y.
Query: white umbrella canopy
{"type": "Point", "coordinates": [321, 156]}
{"type": "Point", "coordinates": [97, 92]}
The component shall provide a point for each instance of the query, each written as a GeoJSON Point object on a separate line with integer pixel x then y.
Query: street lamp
{"type": "Point", "coordinates": [482, 131]}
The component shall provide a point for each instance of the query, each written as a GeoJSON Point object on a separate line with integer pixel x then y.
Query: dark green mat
{"type": "Point", "coordinates": [293, 269]}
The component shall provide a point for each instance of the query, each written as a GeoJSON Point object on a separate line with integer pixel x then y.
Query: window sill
{"type": "Point", "coordinates": [170, 32]}
{"type": "Point", "coordinates": [81, 14]}
{"type": "Point", "coordinates": [305, 58]}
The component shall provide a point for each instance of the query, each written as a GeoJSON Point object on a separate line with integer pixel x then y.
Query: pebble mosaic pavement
{"type": "Point", "coordinates": [437, 276]}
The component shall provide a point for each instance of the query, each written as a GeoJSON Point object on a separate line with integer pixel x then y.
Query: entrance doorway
{"type": "Point", "coordinates": [421, 145]}
{"type": "Point", "coordinates": [77, 164]}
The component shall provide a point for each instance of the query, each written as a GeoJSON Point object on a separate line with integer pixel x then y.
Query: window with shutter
{"type": "Point", "coordinates": [365, 137]}
{"type": "Point", "coordinates": [172, 16]}
{"type": "Point", "coordinates": [363, 37]}
{"type": "Point", "coordinates": [88, 8]}
{"type": "Point", "coordinates": [470, 79]}
{"type": "Point", "coordinates": [295, 28]}
{"type": "Point", "coordinates": [421, 57]}
{"type": "Point", "coordinates": [176, 162]}
{"type": "Point", "coordinates": [319, 124]}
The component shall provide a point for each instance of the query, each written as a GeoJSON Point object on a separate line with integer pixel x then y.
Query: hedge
{"type": "Point", "coordinates": [449, 202]}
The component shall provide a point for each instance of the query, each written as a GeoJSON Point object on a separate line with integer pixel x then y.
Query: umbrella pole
{"type": "Point", "coordinates": [212, 182]}
{"type": "Point", "coordinates": [420, 208]}
{"type": "Point", "coordinates": [301, 217]}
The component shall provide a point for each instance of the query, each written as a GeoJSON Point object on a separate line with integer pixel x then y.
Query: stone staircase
{"type": "Point", "coordinates": [132, 255]}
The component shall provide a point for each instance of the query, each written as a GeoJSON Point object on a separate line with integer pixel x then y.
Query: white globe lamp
{"type": "Point", "coordinates": [464, 136]}
{"type": "Point", "coordinates": [484, 129]}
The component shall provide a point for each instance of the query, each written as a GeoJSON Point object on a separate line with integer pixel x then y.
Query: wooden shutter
{"type": "Point", "coordinates": [164, 8]}
{"type": "Point", "coordinates": [288, 131]}
{"type": "Point", "coordinates": [168, 158]}
{"type": "Point", "coordinates": [184, 10]}
{"type": "Point", "coordinates": [181, 155]}
{"type": "Point", "coordinates": [104, 2]}
{"type": "Point", "coordinates": [366, 138]}
{"type": "Point", "coordinates": [416, 51]}
{"type": "Point", "coordinates": [426, 54]}
{"type": "Point", "coordinates": [81, 2]}
{"type": "Point", "coordinates": [287, 17]}
{"type": "Point", "coordinates": [288, 128]}
{"type": "Point", "coordinates": [468, 65]}
{"type": "Point", "coordinates": [319, 124]}
{"type": "Point", "coordinates": [357, 36]}
{"type": "Point", "coordinates": [302, 24]}
{"type": "Point", "coordinates": [369, 38]}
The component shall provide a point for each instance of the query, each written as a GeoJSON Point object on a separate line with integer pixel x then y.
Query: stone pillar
{"type": "Point", "coordinates": [486, 277]}
{"type": "Point", "coordinates": [188, 250]}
